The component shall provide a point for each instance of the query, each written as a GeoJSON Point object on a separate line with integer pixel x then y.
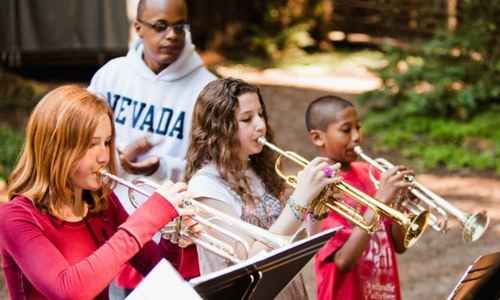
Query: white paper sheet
{"type": "Point", "coordinates": [161, 283]}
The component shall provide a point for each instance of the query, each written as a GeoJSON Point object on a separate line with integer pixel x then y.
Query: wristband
{"type": "Point", "coordinates": [299, 211]}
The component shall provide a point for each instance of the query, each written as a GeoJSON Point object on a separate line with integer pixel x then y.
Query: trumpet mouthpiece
{"type": "Point", "coordinates": [103, 171]}
{"type": "Point", "coordinates": [262, 140]}
{"type": "Point", "coordinates": [104, 174]}
{"type": "Point", "coordinates": [358, 149]}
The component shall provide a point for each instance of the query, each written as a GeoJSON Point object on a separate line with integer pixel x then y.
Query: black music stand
{"type": "Point", "coordinates": [261, 277]}
{"type": "Point", "coordinates": [481, 280]}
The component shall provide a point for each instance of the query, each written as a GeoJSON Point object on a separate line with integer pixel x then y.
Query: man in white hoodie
{"type": "Point", "coordinates": [153, 89]}
{"type": "Point", "coordinates": [152, 92]}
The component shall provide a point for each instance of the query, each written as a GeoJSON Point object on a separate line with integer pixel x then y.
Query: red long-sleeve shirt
{"type": "Point", "coordinates": [46, 258]}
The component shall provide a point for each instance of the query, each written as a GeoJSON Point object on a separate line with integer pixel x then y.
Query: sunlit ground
{"type": "Point", "coordinates": [332, 72]}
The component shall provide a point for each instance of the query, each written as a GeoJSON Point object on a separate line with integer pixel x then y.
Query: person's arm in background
{"type": "Point", "coordinates": [159, 168]}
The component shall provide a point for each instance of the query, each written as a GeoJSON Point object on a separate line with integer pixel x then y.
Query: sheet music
{"type": "Point", "coordinates": [161, 283]}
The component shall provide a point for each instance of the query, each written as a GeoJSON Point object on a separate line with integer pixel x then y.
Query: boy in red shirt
{"type": "Point", "coordinates": [355, 264]}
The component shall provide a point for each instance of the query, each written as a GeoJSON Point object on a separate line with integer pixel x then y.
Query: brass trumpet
{"type": "Point", "coordinates": [205, 240]}
{"type": "Point", "coordinates": [474, 225]}
{"type": "Point", "coordinates": [413, 225]}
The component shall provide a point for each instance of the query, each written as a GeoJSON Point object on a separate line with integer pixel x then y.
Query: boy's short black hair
{"type": "Point", "coordinates": [321, 111]}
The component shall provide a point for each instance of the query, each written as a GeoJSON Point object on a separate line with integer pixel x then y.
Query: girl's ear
{"type": "Point", "coordinates": [317, 137]}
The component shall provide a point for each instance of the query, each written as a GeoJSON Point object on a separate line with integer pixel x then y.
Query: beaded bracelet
{"type": "Point", "coordinates": [299, 211]}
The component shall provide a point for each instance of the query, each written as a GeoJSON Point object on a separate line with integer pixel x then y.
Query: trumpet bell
{"type": "Point", "coordinates": [415, 228]}
{"type": "Point", "coordinates": [475, 226]}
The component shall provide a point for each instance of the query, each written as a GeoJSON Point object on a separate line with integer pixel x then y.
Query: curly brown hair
{"type": "Point", "coordinates": [214, 139]}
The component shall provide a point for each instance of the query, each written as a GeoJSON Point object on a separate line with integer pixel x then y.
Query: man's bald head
{"type": "Point", "coordinates": [179, 5]}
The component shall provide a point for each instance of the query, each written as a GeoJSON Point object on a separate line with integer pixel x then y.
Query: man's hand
{"type": "Point", "coordinates": [129, 162]}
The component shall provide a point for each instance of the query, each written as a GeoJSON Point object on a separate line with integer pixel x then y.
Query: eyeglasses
{"type": "Point", "coordinates": [161, 26]}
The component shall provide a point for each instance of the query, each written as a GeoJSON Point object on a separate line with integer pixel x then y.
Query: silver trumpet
{"type": "Point", "coordinates": [474, 225]}
{"type": "Point", "coordinates": [174, 229]}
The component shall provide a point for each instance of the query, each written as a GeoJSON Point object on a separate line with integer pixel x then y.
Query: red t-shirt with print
{"type": "Point", "coordinates": [375, 275]}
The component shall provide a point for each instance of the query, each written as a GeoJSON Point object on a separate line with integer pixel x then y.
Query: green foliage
{"type": "Point", "coordinates": [273, 45]}
{"type": "Point", "coordinates": [289, 26]}
{"type": "Point", "coordinates": [440, 100]}
{"type": "Point", "coordinates": [18, 96]}
{"type": "Point", "coordinates": [455, 74]}
{"type": "Point", "coordinates": [9, 150]}
{"type": "Point", "coordinates": [439, 143]}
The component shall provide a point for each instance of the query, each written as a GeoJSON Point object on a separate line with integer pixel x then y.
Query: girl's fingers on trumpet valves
{"type": "Point", "coordinates": [314, 178]}
{"type": "Point", "coordinates": [184, 227]}
{"type": "Point", "coordinates": [189, 228]}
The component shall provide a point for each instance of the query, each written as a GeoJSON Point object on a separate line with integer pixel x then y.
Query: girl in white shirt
{"type": "Point", "coordinates": [229, 170]}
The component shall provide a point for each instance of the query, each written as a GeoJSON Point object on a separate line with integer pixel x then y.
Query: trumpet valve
{"type": "Point", "coordinates": [171, 231]}
{"type": "Point", "coordinates": [319, 207]}
{"type": "Point", "coordinates": [319, 210]}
